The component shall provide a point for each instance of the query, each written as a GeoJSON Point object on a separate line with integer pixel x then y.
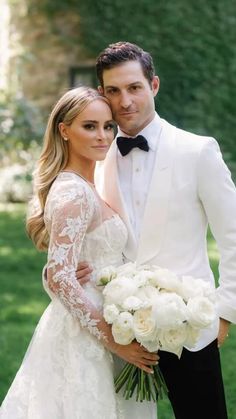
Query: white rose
{"type": "Point", "coordinates": [110, 313]}
{"type": "Point", "coordinates": [144, 325]}
{"type": "Point", "coordinates": [106, 275]}
{"type": "Point", "coordinates": [133, 303]}
{"type": "Point", "coordinates": [125, 320]}
{"type": "Point", "coordinates": [172, 340]}
{"type": "Point", "coordinates": [196, 287]}
{"type": "Point", "coordinates": [201, 312]}
{"type": "Point", "coordinates": [116, 291]}
{"type": "Point", "coordinates": [169, 310]}
{"type": "Point", "coordinates": [122, 329]}
{"type": "Point", "coordinates": [151, 346]}
{"type": "Point", "coordinates": [163, 278]}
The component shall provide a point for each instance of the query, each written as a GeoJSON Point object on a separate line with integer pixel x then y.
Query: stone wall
{"type": "Point", "coordinates": [42, 59]}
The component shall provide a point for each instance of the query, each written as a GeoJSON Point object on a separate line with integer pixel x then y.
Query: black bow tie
{"type": "Point", "coordinates": [125, 144]}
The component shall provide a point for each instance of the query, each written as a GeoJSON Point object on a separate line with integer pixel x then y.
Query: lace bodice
{"type": "Point", "coordinates": [81, 228]}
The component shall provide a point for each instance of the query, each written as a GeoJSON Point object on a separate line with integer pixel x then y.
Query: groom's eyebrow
{"type": "Point", "coordinates": [133, 83]}
{"type": "Point", "coordinates": [110, 87]}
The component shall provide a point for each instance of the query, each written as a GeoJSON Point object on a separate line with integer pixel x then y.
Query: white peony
{"type": "Point", "coordinates": [147, 294]}
{"type": "Point", "coordinates": [169, 310]}
{"type": "Point", "coordinates": [201, 312]}
{"type": "Point", "coordinates": [133, 303]}
{"type": "Point", "coordinates": [128, 269]}
{"type": "Point", "coordinates": [165, 279]}
{"type": "Point", "coordinates": [119, 289]}
{"type": "Point", "coordinates": [142, 278]}
{"type": "Point", "coordinates": [196, 287]}
{"type": "Point", "coordinates": [110, 313]}
{"type": "Point", "coordinates": [192, 336]}
{"type": "Point", "coordinates": [173, 340]}
{"type": "Point", "coordinates": [122, 329]}
{"type": "Point", "coordinates": [144, 325]}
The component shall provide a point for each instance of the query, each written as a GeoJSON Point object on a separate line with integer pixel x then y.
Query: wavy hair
{"type": "Point", "coordinates": [120, 53]}
{"type": "Point", "coordinates": [54, 158]}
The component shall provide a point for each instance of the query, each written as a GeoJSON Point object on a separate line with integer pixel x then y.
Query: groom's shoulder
{"type": "Point", "coordinates": [192, 140]}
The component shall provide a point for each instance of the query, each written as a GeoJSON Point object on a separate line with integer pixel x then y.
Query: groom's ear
{"type": "Point", "coordinates": [101, 90]}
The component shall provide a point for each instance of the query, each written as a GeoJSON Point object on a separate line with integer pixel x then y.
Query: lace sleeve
{"type": "Point", "coordinates": [71, 217]}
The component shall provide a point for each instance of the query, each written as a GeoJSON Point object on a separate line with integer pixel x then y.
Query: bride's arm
{"type": "Point", "coordinates": [70, 220]}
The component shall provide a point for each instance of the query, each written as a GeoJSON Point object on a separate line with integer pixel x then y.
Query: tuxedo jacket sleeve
{"type": "Point", "coordinates": [218, 196]}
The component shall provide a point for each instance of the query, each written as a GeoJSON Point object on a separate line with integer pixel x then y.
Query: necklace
{"type": "Point", "coordinates": [78, 174]}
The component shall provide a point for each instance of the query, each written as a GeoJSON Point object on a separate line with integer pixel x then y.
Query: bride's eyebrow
{"type": "Point", "coordinates": [90, 121]}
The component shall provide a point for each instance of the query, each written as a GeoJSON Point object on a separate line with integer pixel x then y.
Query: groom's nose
{"type": "Point", "coordinates": [125, 100]}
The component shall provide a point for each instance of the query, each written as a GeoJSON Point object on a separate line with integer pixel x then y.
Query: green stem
{"type": "Point", "coordinates": [123, 377]}
{"type": "Point", "coordinates": [129, 383]}
{"type": "Point", "coordinates": [151, 386]}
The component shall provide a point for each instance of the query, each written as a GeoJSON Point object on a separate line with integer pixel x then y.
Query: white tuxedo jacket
{"type": "Point", "coordinates": [190, 187]}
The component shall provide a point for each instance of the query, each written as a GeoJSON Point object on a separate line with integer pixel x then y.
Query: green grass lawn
{"type": "Point", "coordinates": [22, 301]}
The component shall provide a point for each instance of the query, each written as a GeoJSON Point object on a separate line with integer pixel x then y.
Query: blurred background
{"type": "Point", "coordinates": [49, 46]}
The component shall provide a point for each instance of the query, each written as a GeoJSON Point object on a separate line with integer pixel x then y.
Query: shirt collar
{"type": "Point", "coordinates": [151, 132]}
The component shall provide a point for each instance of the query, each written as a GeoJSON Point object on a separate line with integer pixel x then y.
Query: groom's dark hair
{"type": "Point", "coordinates": [121, 52]}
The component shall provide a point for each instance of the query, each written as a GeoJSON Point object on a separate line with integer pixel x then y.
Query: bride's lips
{"type": "Point", "coordinates": [101, 147]}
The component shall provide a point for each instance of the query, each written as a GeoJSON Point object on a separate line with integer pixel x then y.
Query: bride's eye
{"type": "Point", "coordinates": [110, 126]}
{"type": "Point", "coordinates": [89, 126]}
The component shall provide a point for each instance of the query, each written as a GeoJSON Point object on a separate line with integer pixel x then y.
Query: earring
{"type": "Point", "coordinates": [65, 138]}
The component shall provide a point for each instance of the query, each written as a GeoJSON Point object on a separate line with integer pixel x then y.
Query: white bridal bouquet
{"type": "Point", "coordinates": [158, 309]}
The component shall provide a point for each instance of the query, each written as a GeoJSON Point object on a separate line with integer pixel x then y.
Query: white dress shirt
{"type": "Point", "coordinates": [135, 172]}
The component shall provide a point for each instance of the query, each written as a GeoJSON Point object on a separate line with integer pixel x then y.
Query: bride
{"type": "Point", "coordinates": [67, 372]}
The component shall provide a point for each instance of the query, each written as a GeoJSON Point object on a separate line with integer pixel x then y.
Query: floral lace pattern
{"type": "Point", "coordinates": [69, 219]}
{"type": "Point", "coordinates": [67, 373]}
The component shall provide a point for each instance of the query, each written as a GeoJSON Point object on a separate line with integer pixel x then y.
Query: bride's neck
{"type": "Point", "coordinates": [85, 171]}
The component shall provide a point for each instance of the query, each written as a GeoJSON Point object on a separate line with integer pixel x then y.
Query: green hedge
{"type": "Point", "coordinates": [193, 45]}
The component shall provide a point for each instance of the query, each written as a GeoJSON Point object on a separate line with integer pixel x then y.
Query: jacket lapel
{"type": "Point", "coordinates": [111, 193]}
{"type": "Point", "coordinates": [156, 210]}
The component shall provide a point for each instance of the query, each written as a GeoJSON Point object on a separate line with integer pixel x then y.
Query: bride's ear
{"type": "Point", "coordinates": [63, 130]}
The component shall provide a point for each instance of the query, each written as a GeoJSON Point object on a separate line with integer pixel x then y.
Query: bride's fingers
{"type": "Point", "coordinates": [83, 271]}
{"type": "Point", "coordinates": [150, 361]}
{"type": "Point", "coordinates": [144, 367]}
{"type": "Point", "coordinates": [150, 355]}
{"type": "Point", "coordinates": [143, 360]}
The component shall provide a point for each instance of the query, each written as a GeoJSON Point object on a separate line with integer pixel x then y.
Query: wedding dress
{"type": "Point", "coordinates": [67, 373]}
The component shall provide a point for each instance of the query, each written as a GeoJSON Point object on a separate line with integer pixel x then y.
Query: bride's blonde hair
{"type": "Point", "coordinates": [54, 158]}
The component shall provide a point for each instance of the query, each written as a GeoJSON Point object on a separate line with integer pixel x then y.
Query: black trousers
{"type": "Point", "coordinates": [195, 383]}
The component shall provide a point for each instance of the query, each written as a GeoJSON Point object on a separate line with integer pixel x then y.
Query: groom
{"type": "Point", "coordinates": [168, 185]}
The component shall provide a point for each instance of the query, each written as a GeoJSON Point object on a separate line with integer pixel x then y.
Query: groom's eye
{"type": "Point", "coordinates": [111, 91]}
{"type": "Point", "coordinates": [135, 87]}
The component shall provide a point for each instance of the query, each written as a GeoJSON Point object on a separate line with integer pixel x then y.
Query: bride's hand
{"type": "Point", "coordinates": [136, 354]}
{"type": "Point", "coordinates": [83, 272]}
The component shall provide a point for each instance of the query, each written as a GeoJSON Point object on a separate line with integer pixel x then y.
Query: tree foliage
{"type": "Point", "coordinates": [193, 46]}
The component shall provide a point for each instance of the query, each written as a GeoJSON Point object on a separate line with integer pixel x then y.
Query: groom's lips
{"type": "Point", "coordinates": [128, 113]}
